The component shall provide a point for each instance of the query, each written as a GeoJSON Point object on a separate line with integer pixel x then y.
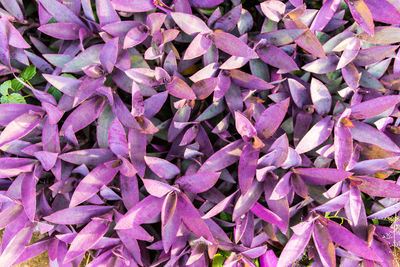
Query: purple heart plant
{"type": "Point", "coordinates": [200, 132]}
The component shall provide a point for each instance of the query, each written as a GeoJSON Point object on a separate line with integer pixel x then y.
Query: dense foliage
{"type": "Point", "coordinates": [200, 132]}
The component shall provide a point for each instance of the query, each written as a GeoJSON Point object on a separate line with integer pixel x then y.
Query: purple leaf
{"type": "Point", "coordinates": [190, 24]}
{"type": "Point", "coordinates": [92, 183]}
{"type": "Point", "coordinates": [20, 127]}
{"type": "Point", "coordinates": [117, 139]}
{"type": "Point", "coordinates": [77, 215]}
{"type": "Point", "coordinates": [268, 216]}
{"type": "Point", "coordinates": [361, 14]}
{"type": "Point", "coordinates": [161, 167]}
{"type": "Point", "coordinates": [87, 238]}
{"type": "Point", "coordinates": [349, 241]}
{"type": "Point", "coordinates": [294, 248]}
{"type": "Point", "coordinates": [232, 45]}
{"type": "Point", "coordinates": [198, 182]}
{"type": "Point", "coordinates": [315, 136]}
{"type": "Point", "coordinates": [322, 176]}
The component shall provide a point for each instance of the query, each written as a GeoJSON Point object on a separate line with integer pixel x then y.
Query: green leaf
{"type": "Point", "coordinates": [225, 216]}
{"type": "Point", "coordinates": [28, 72]}
{"type": "Point", "coordinates": [218, 260]}
{"type": "Point", "coordinates": [4, 87]}
{"type": "Point", "coordinates": [69, 75]}
{"type": "Point", "coordinates": [55, 92]}
{"type": "Point", "coordinates": [16, 85]}
{"type": "Point", "coordinates": [52, 20]}
{"type": "Point", "coordinates": [13, 98]}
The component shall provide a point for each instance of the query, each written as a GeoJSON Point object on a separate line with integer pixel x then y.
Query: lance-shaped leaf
{"type": "Point", "coordinates": [271, 118]}
{"type": "Point", "coordinates": [171, 222]}
{"type": "Point", "coordinates": [221, 206]}
{"type": "Point", "coordinates": [365, 133]}
{"type": "Point", "coordinates": [136, 35]}
{"type": "Point", "coordinates": [247, 201]}
{"type": "Point", "coordinates": [229, 21]}
{"type": "Point", "coordinates": [343, 143]}
{"type": "Point", "coordinates": [322, 176]}
{"type": "Point", "coordinates": [232, 45]}
{"type": "Point", "coordinates": [355, 203]}
{"type": "Point", "coordinates": [190, 24]}
{"type": "Point", "coordinates": [323, 244]}
{"type": "Point", "coordinates": [10, 214]}
{"type": "Point", "coordinates": [77, 215]}
{"type": "Point", "coordinates": [87, 238]}
{"type": "Point", "coordinates": [205, 3]}
{"type": "Point", "coordinates": [63, 31]}
{"type": "Point", "coordinates": [294, 247]}
{"type": "Point", "coordinates": [349, 241]}
{"type": "Point", "coordinates": [299, 93]}
{"type": "Point", "coordinates": [198, 47]}
{"type": "Point", "coordinates": [20, 127]}
{"type": "Point", "coordinates": [133, 5]}
{"type": "Point", "coordinates": [180, 89]}
{"type": "Point", "coordinates": [137, 150]}
{"type": "Point", "coordinates": [374, 54]}
{"type": "Point", "coordinates": [325, 15]}
{"type": "Point", "coordinates": [192, 218]}
{"type": "Point", "coordinates": [223, 158]}
{"type": "Point", "coordinates": [47, 159]}
{"type": "Point", "coordinates": [384, 35]}
{"type": "Point", "coordinates": [33, 250]}
{"type": "Point", "coordinates": [117, 139]}
{"type": "Point", "coordinates": [67, 85]}
{"type": "Point", "coordinates": [157, 188]}
{"type": "Point", "coordinates": [322, 65]}
{"type": "Point", "coordinates": [281, 37]}
{"type": "Point", "coordinates": [60, 12]}
{"type": "Point", "coordinates": [92, 183]}
{"type": "Point", "coordinates": [363, 110]}
{"type": "Point", "coordinates": [273, 9]}
{"type": "Point", "coordinates": [351, 76]}
{"type": "Point", "coordinates": [315, 136]}
{"type": "Point", "coordinates": [168, 207]}
{"type": "Point", "coordinates": [204, 88]}
{"type": "Point", "coordinates": [90, 157]}
{"type": "Point", "coordinates": [11, 111]}
{"type": "Point", "coordinates": [90, 56]}
{"type": "Point", "coordinates": [268, 216]}
{"type": "Point", "coordinates": [86, 90]}
{"type": "Point", "coordinates": [361, 14]}
{"type": "Point", "coordinates": [247, 167]}
{"type": "Point", "coordinates": [334, 204]}
{"type": "Point", "coordinates": [246, 80]}
{"type": "Point", "coordinates": [308, 41]}
{"type": "Point", "coordinates": [84, 115]}
{"type": "Point", "coordinates": [349, 53]}
{"type": "Point", "coordinates": [198, 182]}
{"type": "Point", "coordinates": [383, 11]}
{"type": "Point", "coordinates": [142, 212]}
{"type": "Point", "coordinates": [244, 127]}
{"type": "Point", "coordinates": [277, 58]}
{"type": "Point", "coordinates": [28, 195]}
{"type": "Point", "coordinates": [4, 48]}
{"type": "Point", "coordinates": [386, 212]}
{"type": "Point", "coordinates": [14, 166]}
{"type": "Point", "coordinates": [377, 187]}
{"type": "Point", "coordinates": [106, 12]}
{"type": "Point", "coordinates": [162, 167]}
{"type": "Point", "coordinates": [13, 7]}
{"type": "Point", "coordinates": [16, 246]}
{"type": "Point", "coordinates": [109, 54]}
{"type": "Point", "coordinates": [320, 97]}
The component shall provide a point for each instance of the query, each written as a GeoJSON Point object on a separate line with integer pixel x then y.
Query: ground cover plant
{"type": "Point", "coordinates": [200, 132]}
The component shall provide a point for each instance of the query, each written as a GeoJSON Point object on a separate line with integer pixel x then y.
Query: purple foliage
{"type": "Point", "coordinates": [200, 132]}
